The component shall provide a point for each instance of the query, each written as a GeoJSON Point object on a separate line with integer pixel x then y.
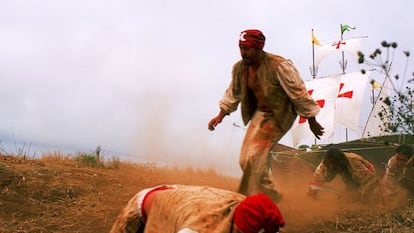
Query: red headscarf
{"type": "Point", "coordinates": [258, 212]}
{"type": "Point", "coordinates": [252, 38]}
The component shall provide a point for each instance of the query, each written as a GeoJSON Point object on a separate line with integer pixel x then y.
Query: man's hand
{"type": "Point", "coordinates": [216, 120]}
{"type": "Point", "coordinates": [315, 127]}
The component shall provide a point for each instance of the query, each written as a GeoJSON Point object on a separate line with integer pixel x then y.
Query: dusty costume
{"type": "Point", "coordinates": [196, 209]}
{"type": "Point", "coordinates": [399, 173]}
{"type": "Point", "coordinates": [357, 173]}
{"type": "Point", "coordinates": [271, 94]}
{"type": "Point", "coordinates": [408, 180]}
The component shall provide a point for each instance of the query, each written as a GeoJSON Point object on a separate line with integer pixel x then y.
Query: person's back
{"type": "Point", "coordinates": [203, 209]}
{"type": "Point", "coordinates": [363, 171]}
{"type": "Point", "coordinates": [364, 174]}
{"type": "Point", "coordinates": [197, 209]}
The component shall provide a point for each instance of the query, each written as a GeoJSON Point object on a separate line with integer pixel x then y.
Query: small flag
{"type": "Point", "coordinates": [346, 27]}
{"type": "Point", "coordinates": [352, 46]}
{"type": "Point", "coordinates": [375, 85]}
{"type": "Point", "coordinates": [314, 40]}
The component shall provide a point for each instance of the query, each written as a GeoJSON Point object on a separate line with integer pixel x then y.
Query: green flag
{"type": "Point", "coordinates": [346, 27]}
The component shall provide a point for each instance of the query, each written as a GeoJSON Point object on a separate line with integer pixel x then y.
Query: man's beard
{"type": "Point", "coordinates": [249, 60]}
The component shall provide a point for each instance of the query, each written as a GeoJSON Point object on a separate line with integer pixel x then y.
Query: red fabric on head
{"type": "Point", "coordinates": [258, 212]}
{"type": "Point", "coordinates": [252, 38]}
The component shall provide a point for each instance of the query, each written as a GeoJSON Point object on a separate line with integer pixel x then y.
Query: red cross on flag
{"type": "Point", "coordinates": [352, 89]}
{"type": "Point", "coordinates": [324, 91]}
{"type": "Point", "coordinates": [349, 45]}
{"type": "Point", "coordinates": [338, 44]}
{"type": "Point", "coordinates": [321, 104]}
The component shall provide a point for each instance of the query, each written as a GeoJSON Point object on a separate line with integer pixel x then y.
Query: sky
{"type": "Point", "coordinates": [142, 78]}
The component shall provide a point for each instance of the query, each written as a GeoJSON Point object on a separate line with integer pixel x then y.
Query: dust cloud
{"type": "Point", "coordinates": [300, 211]}
{"type": "Point", "coordinates": [168, 136]}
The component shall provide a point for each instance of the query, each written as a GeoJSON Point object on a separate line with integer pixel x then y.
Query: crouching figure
{"type": "Point", "coordinates": [198, 209]}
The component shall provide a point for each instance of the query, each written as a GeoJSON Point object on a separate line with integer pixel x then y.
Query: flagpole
{"type": "Point", "coordinates": [343, 63]}
{"type": "Point", "coordinates": [343, 66]}
{"type": "Point", "coordinates": [375, 103]}
{"type": "Point", "coordinates": [313, 71]}
{"type": "Point", "coordinates": [373, 96]}
{"type": "Point", "coordinates": [387, 77]}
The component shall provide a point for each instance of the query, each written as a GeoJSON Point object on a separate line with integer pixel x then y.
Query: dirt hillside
{"type": "Point", "coordinates": [59, 195]}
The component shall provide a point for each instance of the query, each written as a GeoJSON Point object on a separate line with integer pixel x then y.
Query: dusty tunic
{"type": "Point", "coordinates": [392, 177]}
{"type": "Point", "coordinates": [399, 175]}
{"type": "Point", "coordinates": [196, 208]}
{"type": "Point", "coordinates": [286, 97]}
{"type": "Point", "coordinates": [362, 178]}
{"type": "Point", "coordinates": [408, 180]}
{"type": "Point", "coordinates": [283, 89]}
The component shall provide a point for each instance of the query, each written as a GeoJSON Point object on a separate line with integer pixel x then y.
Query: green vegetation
{"type": "Point", "coordinates": [88, 160]}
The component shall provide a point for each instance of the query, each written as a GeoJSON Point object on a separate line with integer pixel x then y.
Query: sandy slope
{"type": "Point", "coordinates": [56, 195]}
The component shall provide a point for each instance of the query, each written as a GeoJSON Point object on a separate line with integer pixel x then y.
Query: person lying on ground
{"type": "Point", "coordinates": [358, 174]}
{"type": "Point", "coordinates": [198, 209]}
{"type": "Point", "coordinates": [399, 174]}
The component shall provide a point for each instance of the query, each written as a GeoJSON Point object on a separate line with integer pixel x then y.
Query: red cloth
{"type": "Point", "coordinates": [145, 199]}
{"type": "Point", "coordinates": [258, 212]}
{"type": "Point", "coordinates": [252, 38]}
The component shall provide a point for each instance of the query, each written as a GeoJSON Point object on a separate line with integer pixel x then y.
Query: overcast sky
{"type": "Point", "coordinates": [143, 78]}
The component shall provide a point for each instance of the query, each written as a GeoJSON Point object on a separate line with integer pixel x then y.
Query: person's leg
{"type": "Point", "coordinates": [267, 183]}
{"type": "Point", "coordinates": [255, 157]}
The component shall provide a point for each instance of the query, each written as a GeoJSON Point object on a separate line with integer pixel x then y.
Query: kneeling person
{"type": "Point", "coordinates": [399, 174]}
{"type": "Point", "coordinates": [357, 173]}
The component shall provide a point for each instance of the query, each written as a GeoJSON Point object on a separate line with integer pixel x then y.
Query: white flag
{"type": "Point", "coordinates": [372, 127]}
{"type": "Point", "coordinates": [350, 97]}
{"type": "Point", "coordinates": [349, 45]}
{"type": "Point", "coordinates": [324, 91]}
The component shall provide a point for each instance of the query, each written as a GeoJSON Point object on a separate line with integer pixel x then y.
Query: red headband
{"type": "Point", "coordinates": [258, 212]}
{"type": "Point", "coordinates": [252, 38]}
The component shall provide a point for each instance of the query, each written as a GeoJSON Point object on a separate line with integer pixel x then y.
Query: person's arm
{"type": "Point", "coordinates": [295, 88]}
{"type": "Point", "coordinates": [315, 127]}
{"type": "Point", "coordinates": [216, 120]}
{"type": "Point", "coordinates": [230, 100]}
{"type": "Point", "coordinates": [318, 178]}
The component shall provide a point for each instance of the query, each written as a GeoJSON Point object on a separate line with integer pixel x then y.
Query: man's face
{"type": "Point", "coordinates": [402, 158]}
{"type": "Point", "coordinates": [249, 54]}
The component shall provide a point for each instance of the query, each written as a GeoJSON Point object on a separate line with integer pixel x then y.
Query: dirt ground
{"type": "Point", "coordinates": [57, 195]}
